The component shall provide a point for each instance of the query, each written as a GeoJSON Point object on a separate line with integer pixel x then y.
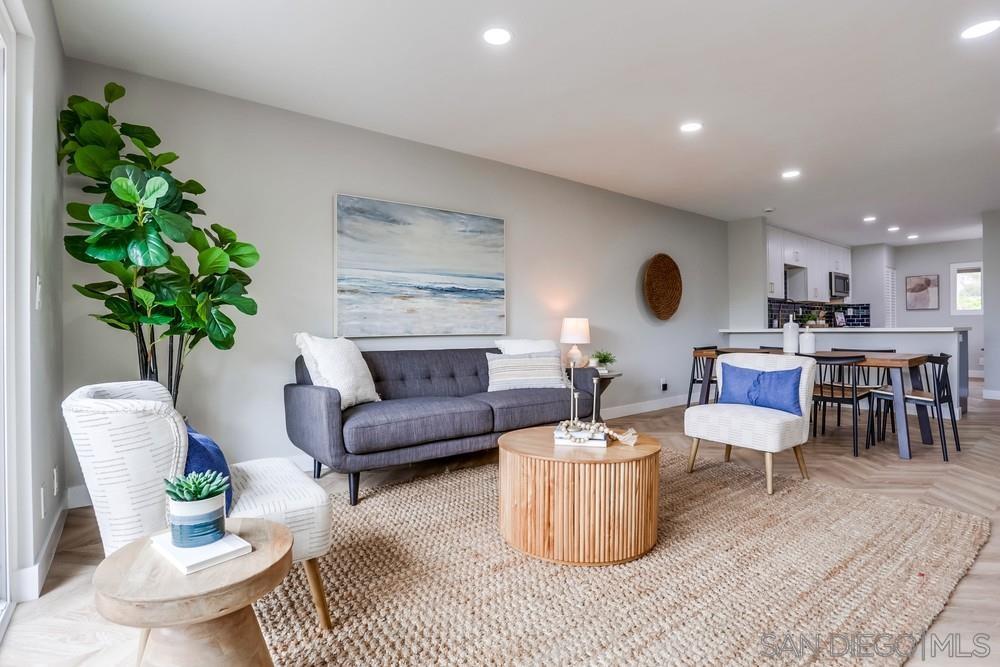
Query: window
{"type": "Point", "coordinates": [967, 288]}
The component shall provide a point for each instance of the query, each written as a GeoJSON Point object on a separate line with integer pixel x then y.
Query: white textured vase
{"type": "Point", "coordinates": [807, 342]}
{"type": "Point", "coordinates": [198, 522]}
{"type": "Point", "coordinates": [791, 336]}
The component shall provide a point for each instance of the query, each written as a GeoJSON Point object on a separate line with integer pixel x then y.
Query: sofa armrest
{"type": "Point", "coordinates": [313, 422]}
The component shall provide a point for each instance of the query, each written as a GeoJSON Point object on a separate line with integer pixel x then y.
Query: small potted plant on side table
{"type": "Point", "coordinates": [196, 508]}
{"type": "Point", "coordinates": [604, 360]}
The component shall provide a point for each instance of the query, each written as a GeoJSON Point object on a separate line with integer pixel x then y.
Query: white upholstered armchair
{"type": "Point", "coordinates": [129, 437]}
{"type": "Point", "coordinates": [763, 429]}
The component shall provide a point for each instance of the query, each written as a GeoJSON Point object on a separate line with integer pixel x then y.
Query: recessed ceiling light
{"type": "Point", "coordinates": [790, 174]}
{"type": "Point", "coordinates": [980, 29]}
{"type": "Point", "coordinates": [691, 126]}
{"type": "Point", "coordinates": [913, 236]}
{"type": "Point", "coordinates": [892, 229]}
{"type": "Point", "coordinates": [869, 218]}
{"type": "Point", "coordinates": [497, 36]}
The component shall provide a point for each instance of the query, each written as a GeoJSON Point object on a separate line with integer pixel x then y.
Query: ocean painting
{"type": "Point", "coordinates": [406, 270]}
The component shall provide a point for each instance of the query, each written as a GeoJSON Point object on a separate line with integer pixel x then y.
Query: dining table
{"type": "Point", "coordinates": [893, 362]}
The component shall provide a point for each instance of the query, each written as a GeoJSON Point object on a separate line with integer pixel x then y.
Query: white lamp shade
{"type": "Point", "coordinates": [575, 330]}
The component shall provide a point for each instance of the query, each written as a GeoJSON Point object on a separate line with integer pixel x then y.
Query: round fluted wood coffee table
{"type": "Point", "coordinates": [203, 618]}
{"type": "Point", "coordinates": [578, 505]}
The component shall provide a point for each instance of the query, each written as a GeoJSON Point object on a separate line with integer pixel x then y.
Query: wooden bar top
{"type": "Point", "coordinates": [872, 359]}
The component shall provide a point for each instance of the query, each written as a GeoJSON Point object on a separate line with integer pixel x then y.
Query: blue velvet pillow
{"type": "Point", "coordinates": [778, 390]}
{"type": "Point", "coordinates": [204, 454]}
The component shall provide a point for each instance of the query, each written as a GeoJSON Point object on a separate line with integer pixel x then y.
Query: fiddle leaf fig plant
{"type": "Point", "coordinates": [141, 210]}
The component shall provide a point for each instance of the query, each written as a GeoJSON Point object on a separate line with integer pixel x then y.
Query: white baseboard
{"type": "Point", "coordinates": [977, 374]}
{"type": "Point", "coordinates": [992, 394]}
{"type": "Point", "coordinates": [26, 583]}
{"type": "Point", "coordinates": [78, 496]}
{"type": "Point", "coordinates": [645, 406]}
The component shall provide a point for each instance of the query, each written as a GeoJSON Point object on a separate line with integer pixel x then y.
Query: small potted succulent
{"type": "Point", "coordinates": [196, 508]}
{"type": "Point", "coordinates": [604, 358]}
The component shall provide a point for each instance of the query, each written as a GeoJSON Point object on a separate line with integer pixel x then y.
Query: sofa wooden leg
{"type": "Point", "coordinates": [800, 458]}
{"type": "Point", "coordinates": [317, 469]}
{"type": "Point", "coordinates": [769, 471]}
{"type": "Point", "coordinates": [318, 593]}
{"type": "Point", "coordinates": [729, 452]}
{"type": "Point", "coordinates": [694, 453]}
{"type": "Point", "coordinates": [353, 481]}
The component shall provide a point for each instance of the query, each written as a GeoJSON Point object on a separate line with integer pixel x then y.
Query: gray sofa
{"type": "Point", "coordinates": [434, 404]}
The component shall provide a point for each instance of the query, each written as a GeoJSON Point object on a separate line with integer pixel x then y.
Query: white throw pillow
{"type": "Point", "coordinates": [525, 345]}
{"type": "Point", "coordinates": [541, 370]}
{"type": "Point", "coordinates": [337, 363]}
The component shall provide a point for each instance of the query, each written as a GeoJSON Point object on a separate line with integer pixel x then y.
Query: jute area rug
{"type": "Point", "coordinates": [418, 574]}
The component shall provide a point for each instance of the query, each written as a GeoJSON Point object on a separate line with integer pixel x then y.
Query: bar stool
{"type": "Point", "coordinates": [936, 399]}
{"type": "Point", "coordinates": [698, 373]}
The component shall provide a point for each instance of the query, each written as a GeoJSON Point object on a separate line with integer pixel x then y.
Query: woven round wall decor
{"type": "Point", "coordinates": [662, 286]}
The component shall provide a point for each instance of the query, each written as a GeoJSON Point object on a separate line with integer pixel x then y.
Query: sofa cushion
{"type": "Point", "coordinates": [417, 373]}
{"type": "Point", "coordinates": [521, 408]}
{"type": "Point", "coordinates": [377, 427]}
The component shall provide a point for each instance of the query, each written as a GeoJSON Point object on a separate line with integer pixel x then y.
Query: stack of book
{"type": "Point", "coordinates": [192, 559]}
{"type": "Point", "coordinates": [562, 438]}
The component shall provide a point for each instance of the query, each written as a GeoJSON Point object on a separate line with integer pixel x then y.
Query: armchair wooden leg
{"type": "Point", "coordinates": [769, 471]}
{"type": "Point", "coordinates": [729, 452]}
{"type": "Point", "coordinates": [800, 458]}
{"type": "Point", "coordinates": [318, 594]}
{"type": "Point", "coordinates": [694, 453]}
{"type": "Point", "coordinates": [143, 638]}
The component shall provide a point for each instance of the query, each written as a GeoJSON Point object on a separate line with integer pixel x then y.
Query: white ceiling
{"type": "Point", "coordinates": [880, 104]}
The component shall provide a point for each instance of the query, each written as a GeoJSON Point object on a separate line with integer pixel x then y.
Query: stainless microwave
{"type": "Point", "coordinates": [840, 285]}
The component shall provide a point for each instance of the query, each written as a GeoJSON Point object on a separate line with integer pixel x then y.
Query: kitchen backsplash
{"type": "Point", "coordinates": [779, 310]}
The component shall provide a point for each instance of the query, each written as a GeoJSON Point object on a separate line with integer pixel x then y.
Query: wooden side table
{"type": "Point", "coordinates": [202, 618]}
{"type": "Point", "coordinates": [578, 505]}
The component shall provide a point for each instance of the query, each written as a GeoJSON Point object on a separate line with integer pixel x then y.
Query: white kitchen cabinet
{"type": "Point", "coordinates": [817, 266]}
{"type": "Point", "coordinates": [775, 263]}
{"type": "Point", "coordinates": [795, 248]}
{"type": "Point", "coordinates": [840, 259]}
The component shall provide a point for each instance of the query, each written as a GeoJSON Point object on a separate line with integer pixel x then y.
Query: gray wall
{"type": "Point", "coordinates": [272, 175]}
{"type": "Point", "coordinates": [991, 304]}
{"type": "Point", "coordinates": [747, 255]}
{"type": "Point", "coordinates": [868, 264]}
{"type": "Point", "coordinates": [931, 258]}
{"type": "Point", "coordinates": [38, 446]}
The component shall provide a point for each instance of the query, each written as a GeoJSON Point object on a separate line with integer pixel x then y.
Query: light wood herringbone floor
{"type": "Point", "coordinates": [63, 628]}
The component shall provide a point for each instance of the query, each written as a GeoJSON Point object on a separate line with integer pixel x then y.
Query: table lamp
{"type": "Point", "coordinates": [575, 330]}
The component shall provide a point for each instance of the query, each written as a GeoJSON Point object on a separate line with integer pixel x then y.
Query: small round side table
{"type": "Point", "coordinates": [203, 618]}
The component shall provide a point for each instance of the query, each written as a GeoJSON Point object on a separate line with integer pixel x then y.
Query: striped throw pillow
{"type": "Point", "coordinates": [537, 370]}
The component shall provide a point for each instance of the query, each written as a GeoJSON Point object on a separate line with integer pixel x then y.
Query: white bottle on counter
{"type": "Point", "coordinates": [791, 336]}
{"type": "Point", "coordinates": [807, 342]}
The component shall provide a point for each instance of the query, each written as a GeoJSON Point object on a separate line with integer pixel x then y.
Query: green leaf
{"type": "Point", "coordinates": [89, 110]}
{"type": "Point", "coordinates": [192, 187]}
{"type": "Point", "coordinates": [147, 248]}
{"type": "Point", "coordinates": [125, 275]}
{"type": "Point", "coordinates": [165, 159]}
{"type": "Point", "coordinates": [100, 133]}
{"type": "Point", "coordinates": [244, 304]}
{"type": "Point", "coordinates": [146, 136]}
{"type": "Point", "coordinates": [212, 260]}
{"type": "Point", "coordinates": [243, 254]}
{"type": "Point", "coordinates": [111, 246]}
{"type": "Point", "coordinates": [178, 265]}
{"type": "Point", "coordinates": [78, 211]}
{"type": "Point", "coordinates": [121, 309]}
{"type": "Point", "coordinates": [240, 276]}
{"type": "Point", "coordinates": [156, 187]}
{"type": "Point", "coordinates": [198, 240]}
{"type": "Point", "coordinates": [94, 161]}
{"type": "Point", "coordinates": [156, 319]}
{"type": "Point", "coordinates": [126, 190]}
{"type": "Point", "coordinates": [166, 286]}
{"type": "Point", "coordinates": [95, 290]}
{"type": "Point", "coordinates": [188, 308]}
{"type": "Point", "coordinates": [88, 227]}
{"type": "Point", "coordinates": [175, 226]}
{"type": "Point", "coordinates": [144, 296]}
{"type": "Point", "coordinates": [204, 304]}
{"type": "Point", "coordinates": [98, 233]}
{"type": "Point", "coordinates": [220, 329]}
{"type": "Point", "coordinates": [226, 235]}
{"type": "Point", "coordinates": [69, 122]}
{"type": "Point", "coordinates": [112, 321]}
{"type": "Point", "coordinates": [113, 91]}
{"type": "Point", "coordinates": [112, 215]}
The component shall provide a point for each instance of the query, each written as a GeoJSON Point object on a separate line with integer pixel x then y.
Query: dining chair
{"type": "Point", "coordinates": [882, 379]}
{"type": "Point", "coordinates": [938, 380]}
{"type": "Point", "coordinates": [698, 373]}
{"type": "Point", "coordinates": [837, 383]}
